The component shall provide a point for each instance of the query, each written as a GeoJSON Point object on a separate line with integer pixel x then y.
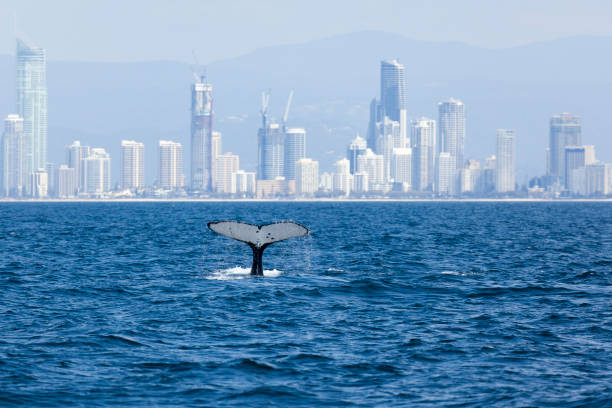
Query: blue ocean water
{"type": "Point", "coordinates": [385, 304]}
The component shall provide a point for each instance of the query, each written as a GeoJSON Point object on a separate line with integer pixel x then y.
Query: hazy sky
{"type": "Point", "coordinates": [122, 30]}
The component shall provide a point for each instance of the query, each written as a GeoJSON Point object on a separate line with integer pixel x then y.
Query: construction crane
{"type": "Point", "coordinates": [265, 101]}
{"type": "Point", "coordinates": [286, 115]}
{"type": "Point", "coordinates": [202, 76]}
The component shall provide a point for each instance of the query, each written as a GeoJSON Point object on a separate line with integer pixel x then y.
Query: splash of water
{"type": "Point", "coordinates": [239, 272]}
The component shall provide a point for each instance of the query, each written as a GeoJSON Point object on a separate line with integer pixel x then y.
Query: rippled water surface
{"type": "Point", "coordinates": [385, 304]}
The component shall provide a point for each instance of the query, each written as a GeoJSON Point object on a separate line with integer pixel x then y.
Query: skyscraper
{"type": "Point", "coordinates": [376, 115]}
{"type": "Point", "coordinates": [201, 135]}
{"type": "Point", "coordinates": [39, 183]}
{"type": "Point", "coordinates": [132, 165]}
{"type": "Point", "coordinates": [401, 167]}
{"type": "Point", "coordinates": [451, 130]}
{"type": "Point", "coordinates": [445, 172]}
{"type": "Point", "coordinates": [374, 165]}
{"type": "Point", "coordinates": [422, 139]}
{"type": "Point", "coordinates": [66, 182]}
{"type": "Point", "coordinates": [357, 147]}
{"type": "Point", "coordinates": [170, 167]}
{"type": "Point", "coordinates": [504, 171]}
{"type": "Point", "coordinates": [342, 180]}
{"type": "Point", "coordinates": [13, 172]}
{"type": "Point", "coordinates": [52, 174]}
{"type": "Point", "coordinates": [576, 157]}
{"type": "Point", "coordinates": [215, 152]}
{"type": "Point", "coordinates": [389, 137]}
{"type": "Point", "coordinates": [243, 183]}
{"type": "Point", "coordinates": [97, 172]}
{"type": "Point", "coordinates": [565, 130]}
{"type": "Point", "coordinates": [271, 152]}
{"type": "Point", "coordinates": [295, 149]}
{"type": "Point", "coordinates": [75, 154]}
{"type": "Point", "coordinates": [306, 176]}
{"type": "Point", "coordinates": [392, 89]}
{"type": "Point", "coordinates": [226, 164]}
{"type": "Point", "coordinates": [32, 104]}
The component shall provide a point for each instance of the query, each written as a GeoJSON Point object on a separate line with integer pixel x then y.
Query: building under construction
{"type": "Point", "coordinates": [202, 161]}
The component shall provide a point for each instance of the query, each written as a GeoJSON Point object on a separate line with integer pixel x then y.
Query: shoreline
{"type": "Point", "coordinates": [308, 200]}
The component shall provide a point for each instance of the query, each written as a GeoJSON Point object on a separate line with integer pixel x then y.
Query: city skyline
{"type": "Point", "coordinates": [144, 115]}
{"type": "Point", "coordinates": [435, 151]}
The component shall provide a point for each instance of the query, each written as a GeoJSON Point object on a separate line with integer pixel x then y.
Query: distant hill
{"type": "Point", "coordinates": [334, 80]}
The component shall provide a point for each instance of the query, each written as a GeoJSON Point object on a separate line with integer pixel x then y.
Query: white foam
{"type": "Point", "coordinates": [239, 272]}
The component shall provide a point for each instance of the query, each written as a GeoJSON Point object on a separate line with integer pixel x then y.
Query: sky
{"type": "Point", "coordinates": [136, 30]}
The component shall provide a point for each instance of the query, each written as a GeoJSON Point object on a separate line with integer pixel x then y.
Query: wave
{"type": "Point", "coordinates": [239, 272]}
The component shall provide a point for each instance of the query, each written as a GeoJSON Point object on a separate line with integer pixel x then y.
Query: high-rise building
{"type": "Point", "coordinates": [376, 115]}
{"type": "Point", "coordinates": [357, 147]}
{"type": "Point", "coordinates": [32, 104]}
{"type": "Point", "coordinates": [342, 180]}
{"type": "Point", "coordinates": [243, 183]}
{"type": "Point", "coordinates": [226, 165]}
{"type": "Point", "coordinates": [52, 174]}
{"type": "Point", "coordinates": [445, 174]}
{"type": "Point", "coordinates": [392, 89]}
{"type": "Point", "coordinates": [97, 172]}
{"type": "Point", "coordinates": [271, 152]}
{"type": "Point", "coordinates": [66, 182]}
{"type": "Point", "coordinates": [470, 178]}
{"type": "Point", "coordinates": [401, 167]}
{"type": "Point", "coordinates": [295, 149]}
{"type": "Point", "coordinates": [422, 139]}
{"type": "Point", "coordinates": [201, 136]}
{"type": "Point", "coordinates": [488, 174]}
{"type": "Point", "coordinates": [576, 157]}
{"type": "Point", "coordinates": [504, 171]}
{"type": "Point", "coordinates": [215, 152]}
{"type": "Point", "coordinates": [170, 167]}
{"type": "Point", "coordinates": [306, 176]}
{"type": "Point", "coordinates": [389, 137]}
{"type": "Point", "coordinates": [75, 154]}
{"type": "Point", "coordinates": [326, 182]}
{"type": "Point", "coordinates": [577, 181]}
{"type": "Point", "coordinates": [39, 183]}
{"type": "Point", "coordinates": [13, 171]}
{"type": "Point", "coordinates": [565, 130]}
{"type": "Point", "coordinates": [374, 165]}
{"type": "Point", "coordinates": [132, 165]}
{"type": "Point", "coordinates": [451, 131]}
{"type": "Point", "coordinates": [598, 178]}
{"type": "Point", "coordinates": [361, 183]}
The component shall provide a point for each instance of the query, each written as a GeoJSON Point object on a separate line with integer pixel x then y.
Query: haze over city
{"type": "Point", "coordinates": [512, 66]}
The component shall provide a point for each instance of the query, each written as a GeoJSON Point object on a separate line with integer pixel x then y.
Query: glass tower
{"type": "Point", "coordinates": [32, 104]}
{"type": "Point", "coordinates": [295, 149]}
{"type": "Point", "coordinates": [202, 162]}
{"type": "Point", "coordinates": [451, 137]}
{"type": "Point", "coordinates": [504, 172]}
{"type": "Point", "coordinates": [392, 89]}
{"type": "Point", "coordinates": [565, 130]}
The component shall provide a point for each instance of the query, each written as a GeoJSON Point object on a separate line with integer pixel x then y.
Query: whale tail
{"type": "Point", "coordinates": [258, 237]}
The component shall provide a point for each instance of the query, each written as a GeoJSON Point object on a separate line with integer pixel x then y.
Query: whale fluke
{"type": "Point", "coordinates": [258, 237]}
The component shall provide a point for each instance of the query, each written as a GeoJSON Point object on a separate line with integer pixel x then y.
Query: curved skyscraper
{"type": "Point", "coordinates": [202, 162]}
{"type": "Point", "coordinates": [32, 104]}
{"type": "Point", "coordinates": [392, 89]}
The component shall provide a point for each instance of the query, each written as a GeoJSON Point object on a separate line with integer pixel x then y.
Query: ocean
{"type": "Point", "coordinates": [392, 304]}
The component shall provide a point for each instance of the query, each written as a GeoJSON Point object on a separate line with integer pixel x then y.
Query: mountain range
{"type": "Point", "coordinates": [334, 80]}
